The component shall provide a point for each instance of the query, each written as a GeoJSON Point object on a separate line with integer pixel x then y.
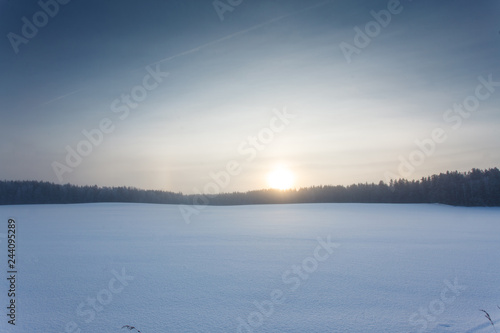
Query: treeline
{"type": "Point", "coordinates": [473, 188]}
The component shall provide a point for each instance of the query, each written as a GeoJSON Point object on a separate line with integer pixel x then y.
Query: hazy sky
{"type": "Point", "coordinates": [170, 92]}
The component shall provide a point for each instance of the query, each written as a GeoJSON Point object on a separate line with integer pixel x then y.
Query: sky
{"type": "Point", "coordinates": [213, 96]}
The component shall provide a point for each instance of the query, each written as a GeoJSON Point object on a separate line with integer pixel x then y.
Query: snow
{"type": "Point", "coordinates": [142, 265]}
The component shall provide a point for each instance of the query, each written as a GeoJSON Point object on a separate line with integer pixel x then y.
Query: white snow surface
{"type": "Point", "coordinates": [392, 262]}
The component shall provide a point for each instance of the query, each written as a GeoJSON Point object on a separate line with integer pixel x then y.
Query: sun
{"type": "Point", "coordinates": [281, 179]}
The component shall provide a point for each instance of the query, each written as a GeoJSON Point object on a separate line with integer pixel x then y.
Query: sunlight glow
{"type": "Point", "coordinates": [281, 179]}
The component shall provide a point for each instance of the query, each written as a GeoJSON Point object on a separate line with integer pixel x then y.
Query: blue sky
{"type": "Point", "coordinates": [353, 121]}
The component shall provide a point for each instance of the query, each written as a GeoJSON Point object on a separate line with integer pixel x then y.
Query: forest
{"type": "Point", "coordinates": [473, 188]}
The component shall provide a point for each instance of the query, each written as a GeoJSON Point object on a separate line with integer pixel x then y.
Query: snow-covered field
{"type": "Point", "coordinates": [276, 268]}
